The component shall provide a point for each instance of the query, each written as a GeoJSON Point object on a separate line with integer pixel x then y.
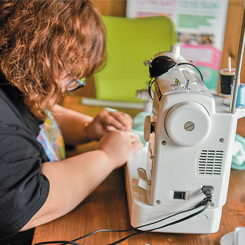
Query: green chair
{"type": "Point", "coordinates": [130, 41]}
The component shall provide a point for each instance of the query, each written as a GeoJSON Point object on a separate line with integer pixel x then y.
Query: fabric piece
{"type": "Point", "coordinates": [51, 139]}
{"type": "Point", "coordinates": [238, 154]}
{"type": "Point", "coordinates": [138, 125]}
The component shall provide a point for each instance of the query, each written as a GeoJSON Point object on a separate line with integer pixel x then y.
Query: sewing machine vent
{"type": "Point", "coordinates": [210, 162]}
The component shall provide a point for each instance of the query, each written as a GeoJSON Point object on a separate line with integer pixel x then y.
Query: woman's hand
{"type": "Point", "coordinates": [107, 121]}
{"type": "Point", "coordinates": [119, 146]}
{"type": "Point", "coordinates": [78, 128]}
{"type": "Point", "coordinates": [82, 173]}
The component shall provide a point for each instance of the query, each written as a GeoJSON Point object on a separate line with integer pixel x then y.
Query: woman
{"type": "Point", "coordinates": [46, 48]}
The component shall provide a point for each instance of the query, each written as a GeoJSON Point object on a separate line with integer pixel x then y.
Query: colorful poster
{"type": "Point", "coordinates": [200, 27]}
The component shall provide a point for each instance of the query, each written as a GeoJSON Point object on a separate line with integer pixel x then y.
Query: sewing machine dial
{"type": "Point", "coordinates": [187, 123]}
{"type": "Point", "coordinates": [149, 127]}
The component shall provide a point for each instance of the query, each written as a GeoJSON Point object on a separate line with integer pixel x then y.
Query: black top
{"type": "Point", "coordinates": [23, 188]}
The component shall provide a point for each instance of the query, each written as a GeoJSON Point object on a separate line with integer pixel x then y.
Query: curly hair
{"type": "Point", "coordinates": [40, 40]}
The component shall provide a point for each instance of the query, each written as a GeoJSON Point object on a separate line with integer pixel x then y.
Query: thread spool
{"type": "Point", "coordinates": [226, 79]}
{"type": "Point", "coordinates": [240, 101]}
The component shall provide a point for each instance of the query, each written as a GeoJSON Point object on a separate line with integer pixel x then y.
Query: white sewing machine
{"type": "Point", "coordinates": [191, 133]}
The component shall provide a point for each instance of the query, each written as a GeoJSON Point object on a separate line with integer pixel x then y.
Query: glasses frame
{"type": "Point", "coordinates": [80, 83]}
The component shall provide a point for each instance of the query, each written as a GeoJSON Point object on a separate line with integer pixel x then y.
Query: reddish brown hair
{"type": "Point", "coordinates": [40, 40]}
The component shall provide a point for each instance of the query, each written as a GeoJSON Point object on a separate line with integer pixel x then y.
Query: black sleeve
{"type": "Point", "coordinates": [23, 188]}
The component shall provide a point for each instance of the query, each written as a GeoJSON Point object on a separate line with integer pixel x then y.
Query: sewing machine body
{"type": "Point", "coordinates": [190, 147]}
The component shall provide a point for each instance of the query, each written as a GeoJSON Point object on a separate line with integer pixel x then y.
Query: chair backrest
{"type": "Point", "coordinates": [131, 41]}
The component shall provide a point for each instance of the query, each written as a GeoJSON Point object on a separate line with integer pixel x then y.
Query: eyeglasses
{"type": "Point", "coordinates": [75, 83]}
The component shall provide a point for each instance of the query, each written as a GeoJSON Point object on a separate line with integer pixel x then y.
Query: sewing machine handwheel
{"type": "Point", "coordinates": [188, 123]}
{"type": "Point", "coordinates": [147, 128]}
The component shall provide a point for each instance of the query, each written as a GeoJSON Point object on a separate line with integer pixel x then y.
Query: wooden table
{"type": "Point", "coordinates": [106, 208]}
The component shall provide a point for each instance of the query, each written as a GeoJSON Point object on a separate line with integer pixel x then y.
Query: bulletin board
{"type": "Point", "coordinates": [200, 27]}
